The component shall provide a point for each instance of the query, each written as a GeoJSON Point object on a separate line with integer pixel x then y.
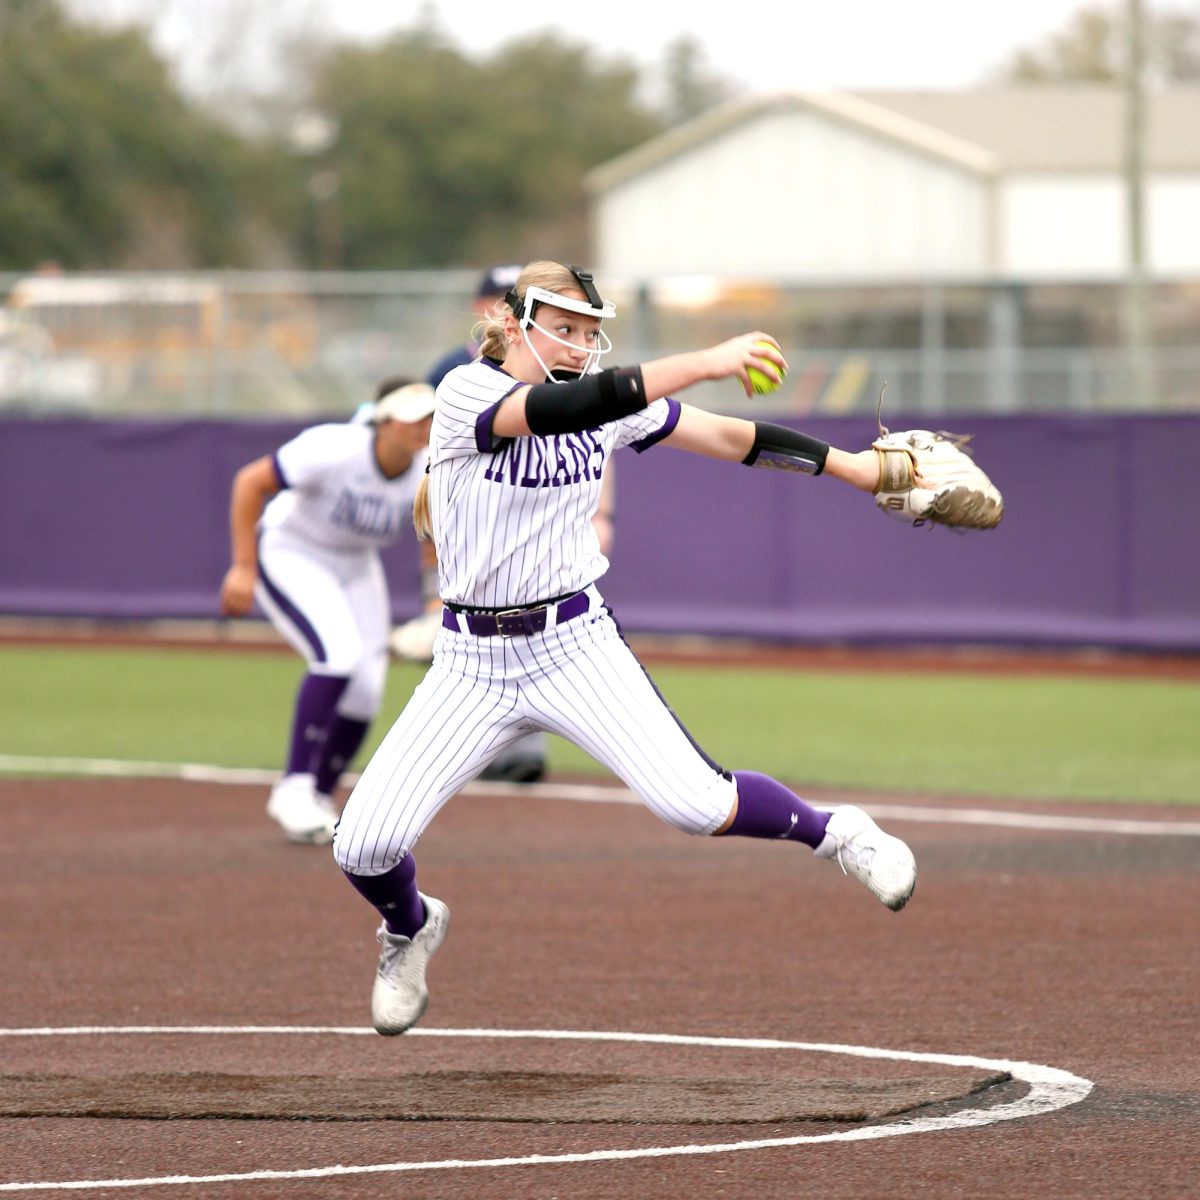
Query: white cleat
{"type": "Point", "coordinates": [883, 864]}
{"type": "Point", "coordinates": [400, 996]}
{"type": "Point", "coordinates": [301, 812]}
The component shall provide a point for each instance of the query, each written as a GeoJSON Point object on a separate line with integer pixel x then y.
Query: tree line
{"type": "Point", "coordinates": [404, 154]}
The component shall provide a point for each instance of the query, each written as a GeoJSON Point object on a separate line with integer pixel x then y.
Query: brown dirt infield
{"type": "Point", "coordinates": [157, 903]}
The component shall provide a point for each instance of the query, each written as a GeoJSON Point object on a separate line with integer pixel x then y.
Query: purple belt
{"type": "Point", "coordinates": [517, 622]}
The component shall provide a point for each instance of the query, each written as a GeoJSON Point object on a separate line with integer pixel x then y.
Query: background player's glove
{"type": "Point", "coordinates": [926, 476]}
{"type": "Point", "coordinates": [413, 641]}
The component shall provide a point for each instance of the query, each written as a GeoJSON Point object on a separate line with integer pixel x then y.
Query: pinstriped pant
{"type": "Point", "coordinates": [579, 680]}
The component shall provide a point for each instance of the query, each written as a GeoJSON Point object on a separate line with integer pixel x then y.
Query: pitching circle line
{"type": "Point", "coordinates": [1049, 1090]}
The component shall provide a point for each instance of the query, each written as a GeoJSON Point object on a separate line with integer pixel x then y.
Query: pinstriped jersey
{"type": "Point", "coordinates": [334, 492]}
{"type": "Point", "coordinates": [512, 516]}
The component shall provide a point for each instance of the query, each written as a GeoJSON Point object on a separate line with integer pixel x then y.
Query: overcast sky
{"type": "Point", "coordinates": [764, 45]}
{"type": "Point", "coordinates": [767, 44]}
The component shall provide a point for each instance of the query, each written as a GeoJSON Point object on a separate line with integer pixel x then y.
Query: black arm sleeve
{"type": "Point", "coordinates": [786, 450]}
{"type": "Point", "coordinates": [586, 402]}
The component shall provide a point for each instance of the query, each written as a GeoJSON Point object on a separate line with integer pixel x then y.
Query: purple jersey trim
{"type": "Point", "coordinates": [486, 442]}
{"type": "Point", "coordinates": [280, 477]}
{"type": "Point", "coordinates": [668, 427]}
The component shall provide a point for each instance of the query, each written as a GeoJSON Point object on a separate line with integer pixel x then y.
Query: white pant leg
{"type": "Point", "coordinates": [585, 684]}
{"type": "Point", "coordinates": [333, 608]}
{"type": "Point", "coordinates": [448, 731]}
{"type": "Point", "coordinates": [367, 594]}
{"type": "Point", "coordinates": [580, 681]}
{"type": "Point", "coordinates": [303, 592]}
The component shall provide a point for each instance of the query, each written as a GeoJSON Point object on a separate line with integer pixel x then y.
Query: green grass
{"type": "Point", "coordinates": [1083, 738]}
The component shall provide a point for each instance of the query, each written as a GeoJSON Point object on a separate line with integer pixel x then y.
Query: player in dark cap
{"type": "Point", "coordinates": [493, 286]}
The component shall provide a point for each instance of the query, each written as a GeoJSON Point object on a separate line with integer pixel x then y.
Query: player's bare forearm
{"type": "Point", "coordinates": [860, 469]}
{"type": "Point", "coordinates": [244, 512]}
{"type": "Point", "coordinates": [728, 360]}
{"type": "Point", "coordinates": [666, 376]}
{"type": "Point", "coordinates": [253, 486]}
{"type": "Point", "coordinates": [711, 434]}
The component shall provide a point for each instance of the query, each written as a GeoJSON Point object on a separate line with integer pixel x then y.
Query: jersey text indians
{"type": "Point", "coordinates": [537, 462]}
{"type": "Point", "coordinates": [370, 515]}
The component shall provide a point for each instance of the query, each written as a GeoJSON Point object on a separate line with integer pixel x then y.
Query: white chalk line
{"type": "Point", "coordinates": [1050, 1089]}
{"type": "Point", "coordinates": [599, 794]}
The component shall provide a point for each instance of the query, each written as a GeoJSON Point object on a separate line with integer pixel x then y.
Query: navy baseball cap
{"type": "Point", "coordinates": [498, 280]}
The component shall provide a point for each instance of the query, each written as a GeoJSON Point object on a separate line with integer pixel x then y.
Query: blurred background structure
{"type": "Point", "coordinates": [230, 210]}
{"type": "Point", "coordinates": [245, 344]}
{"type": "Point", "coordinates": [243, 213]}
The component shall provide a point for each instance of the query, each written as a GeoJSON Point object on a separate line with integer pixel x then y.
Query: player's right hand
{"type": "Point", "coordinates": [734, 358]}
{"type": "Point", "coordinates": [237, 591]}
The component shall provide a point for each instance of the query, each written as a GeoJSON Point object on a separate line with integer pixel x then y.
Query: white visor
{"type": "Point", "coordinates": [570, 303]}
{"type": "Point", "coordinates": [411, 403]}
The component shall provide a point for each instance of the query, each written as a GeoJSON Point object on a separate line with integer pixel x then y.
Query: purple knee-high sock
{"type": "Point", "coordinates": [346, 735]}
{"type": "Point", "coordinates": [316, 704]}
{"type": "Point", "coordinates": [395, 894]}
{"type": "Point", "coordinates": [766, 809]}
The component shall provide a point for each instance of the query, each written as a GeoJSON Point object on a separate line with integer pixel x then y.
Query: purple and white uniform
{"type": "Point", "coordinates": [512, 525]}
{"type": "Point", "coordinates": [321, 581]}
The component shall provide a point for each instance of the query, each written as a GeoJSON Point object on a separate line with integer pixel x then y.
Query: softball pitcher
{"type": "Point", "coordinates": [517, 449]}
{"type": "Point", "coordinates": [307, 524]}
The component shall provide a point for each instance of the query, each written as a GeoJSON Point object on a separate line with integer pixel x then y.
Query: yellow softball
{"type": "Point", "coordinates": [761, 382]}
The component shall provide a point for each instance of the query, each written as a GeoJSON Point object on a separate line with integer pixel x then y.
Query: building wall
{"type": "Point", "coordinates": [1061, 226]}
{"type": "Point", "coordinates": [1174, 224]}
{"type": "Point", "coordinates": [1071, 226]}
{"type": "Point", "coordinates": [795, 195]}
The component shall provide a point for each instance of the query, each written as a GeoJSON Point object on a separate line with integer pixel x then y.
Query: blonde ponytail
{"type": "Point", "coordinates": [422, 518]}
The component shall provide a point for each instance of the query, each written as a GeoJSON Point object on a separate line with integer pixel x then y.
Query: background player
{"type": "Point", "coordinates": [307, 524]}
{"type": "Point", "coordinates": [528, 641]}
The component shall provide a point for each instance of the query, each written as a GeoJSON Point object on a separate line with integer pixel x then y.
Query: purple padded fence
{"type": "Point", "coordinates": [1100, 544]}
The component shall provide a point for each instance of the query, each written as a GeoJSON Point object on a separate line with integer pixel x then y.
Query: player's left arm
{"type": "Point", "coordinates": [762, 444]}
{"type": "Point", "coordinates": [609, 395]}
{"type": "Point", "coordinates": [253, 486]}
{"type": "Point", "coordinates": [711, 434]}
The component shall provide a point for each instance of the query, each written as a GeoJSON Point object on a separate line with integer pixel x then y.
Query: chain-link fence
{"type": "Point", "coordinates": [242, 344]}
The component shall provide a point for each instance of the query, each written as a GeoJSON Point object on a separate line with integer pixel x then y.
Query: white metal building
{"type": "Point", "coordinates": [997, 183]}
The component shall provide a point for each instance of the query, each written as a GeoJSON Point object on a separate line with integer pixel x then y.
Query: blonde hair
{"type": "Point", "coordinates": [422, 518]}
{"type": "Point", "coordinates": [553, 276]}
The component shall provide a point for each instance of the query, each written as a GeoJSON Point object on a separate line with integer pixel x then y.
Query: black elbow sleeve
{"type": "Point", "coordinates": [784, 449]}
{"type": "Point", "coordinates": [585, 402]}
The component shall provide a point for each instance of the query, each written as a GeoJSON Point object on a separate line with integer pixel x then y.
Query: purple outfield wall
{"type": "Point", "coordinates": [1100, 544]}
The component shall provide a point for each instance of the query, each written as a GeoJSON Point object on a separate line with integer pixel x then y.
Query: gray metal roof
{"type": "Point", "coordinates": [844, 107]}
{"type": "Point", "coordinates": [1042, 127]}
